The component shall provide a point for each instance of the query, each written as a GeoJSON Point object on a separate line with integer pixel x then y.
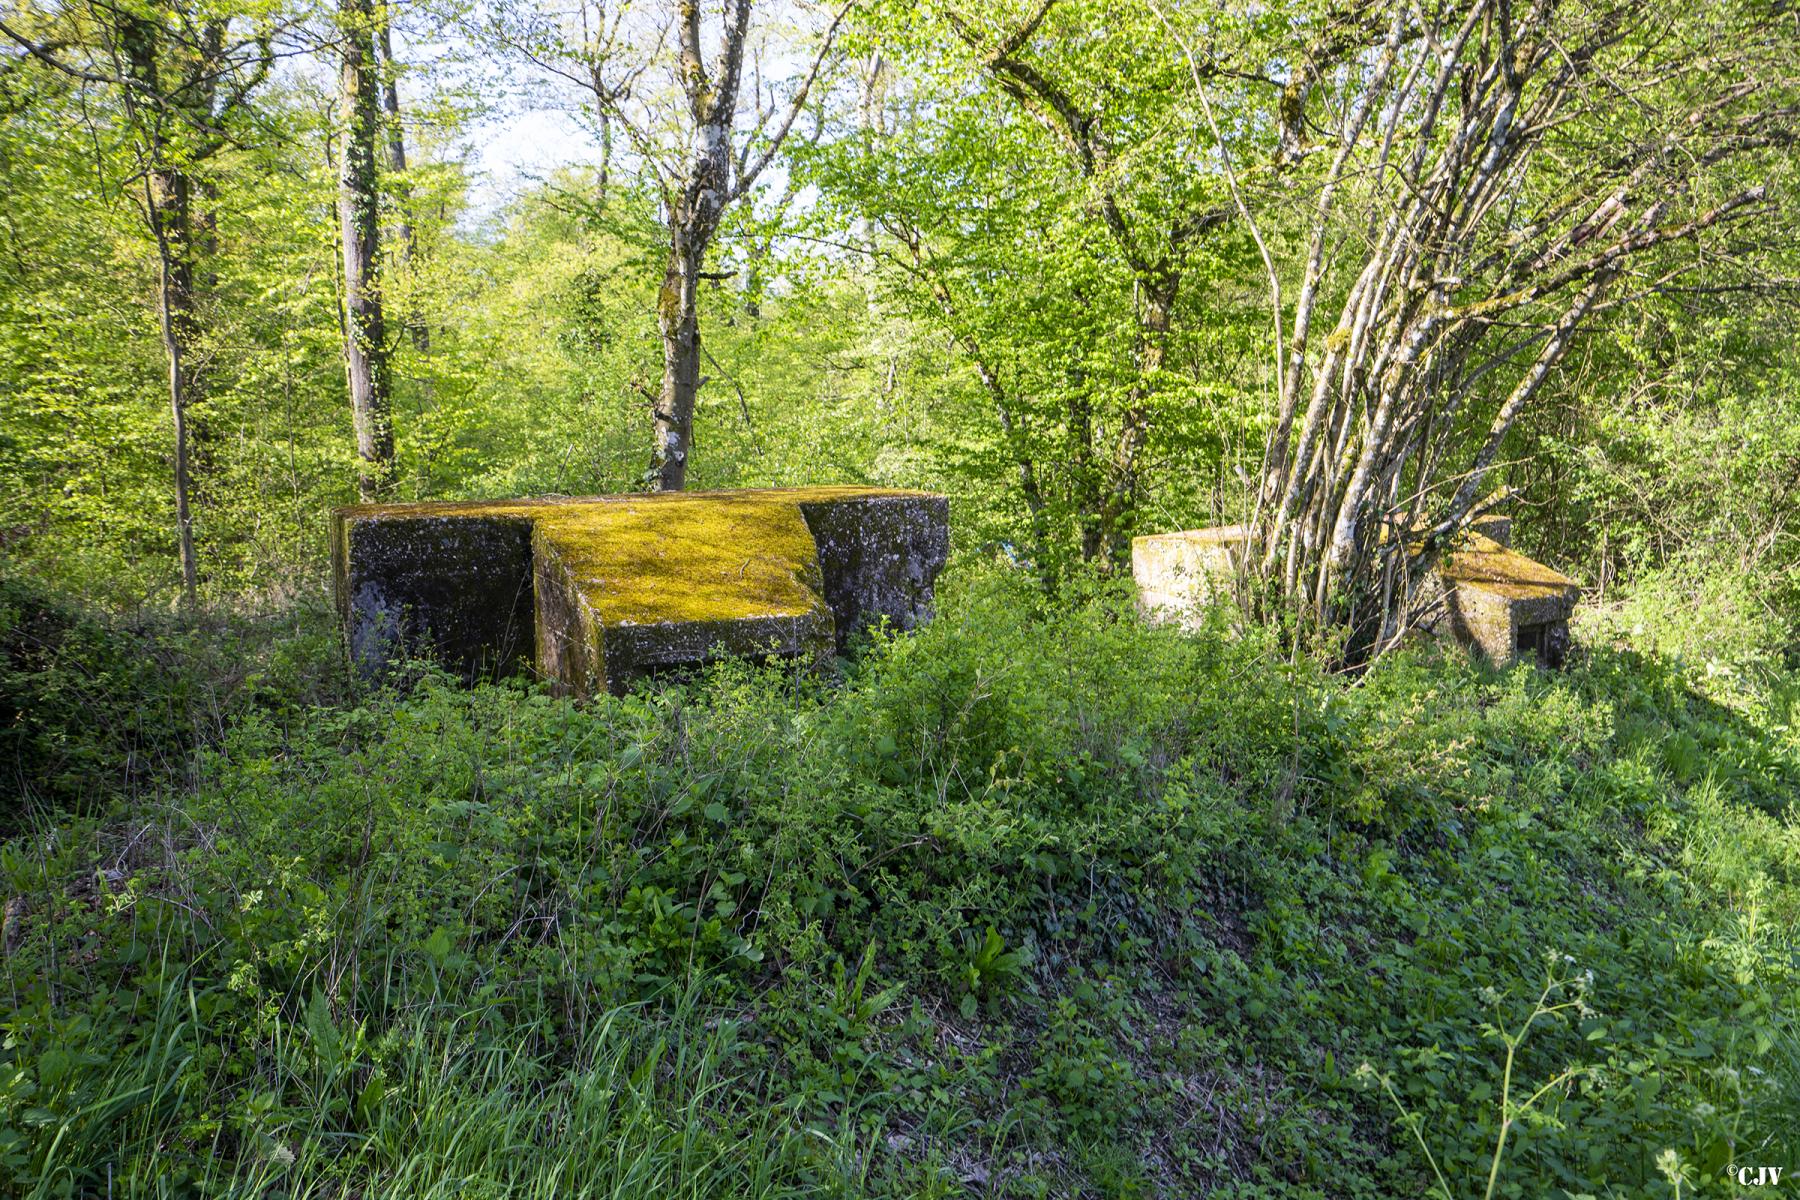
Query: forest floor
{"type": "Point", "coordinates": [1035, 902]}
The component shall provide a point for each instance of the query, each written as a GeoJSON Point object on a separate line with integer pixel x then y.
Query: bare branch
{"type": "Point", "coordinates": [747, 176]}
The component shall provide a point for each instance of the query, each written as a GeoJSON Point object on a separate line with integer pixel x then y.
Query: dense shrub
{"type": "Point", "coordinates": [92, 707]}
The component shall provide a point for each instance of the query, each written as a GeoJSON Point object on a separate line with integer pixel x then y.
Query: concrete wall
{"type": "Point", "coordinates": [1177, 573]}
{"type": "Point", "coordinates": [597, 591]}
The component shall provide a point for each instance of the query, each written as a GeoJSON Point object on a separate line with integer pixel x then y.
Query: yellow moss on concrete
{"type": "Point", "coordinates": [680, 558]}
{"type": "Point", "coordinates": [1480, 562]}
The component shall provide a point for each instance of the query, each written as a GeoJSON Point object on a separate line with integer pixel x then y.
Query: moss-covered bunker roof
{"type": "Point", "coordinates": [703, 558]}
{"type": "Point", "coordinates": [1480, 562]}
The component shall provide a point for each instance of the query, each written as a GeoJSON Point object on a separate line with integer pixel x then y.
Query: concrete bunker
{"type": "Point", "coordinates": [1501, 603]}
{"type": "Point", "coordinates": [1483, 594]}
{"type": "Point", "coordinates": [596, 591]}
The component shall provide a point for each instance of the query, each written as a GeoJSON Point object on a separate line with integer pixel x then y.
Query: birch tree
{"type": "Point", "coordinates": [709, 166]}
{"type": "Point", "coordinates": [1495, 178]}
{"type": "Point", "coordinates": [673, 82]}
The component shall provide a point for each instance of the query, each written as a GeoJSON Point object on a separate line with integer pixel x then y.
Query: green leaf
{"type": "Point", "coordinates": [439, 945]}
{"type": "Point", "coordinates": [53, 1067]}
{"type": "Point", "coordinates": [324, 1033]}
{"type": "Point", "coordinates": [368, 1102]}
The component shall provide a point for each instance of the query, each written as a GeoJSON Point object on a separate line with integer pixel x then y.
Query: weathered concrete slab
{"type": "Point", "coordinates": [879, 552]}
{"type": "Point", "coordinates": [1504, 604]}
{"type": "Point", "coordinates": [456, 577]}
{"type": "Point", "coordinates": [1487, 596]}
{"type": "Point", "coordinates": [597, 591]}
{"type": "Point", "coordinates": [1177, 573]}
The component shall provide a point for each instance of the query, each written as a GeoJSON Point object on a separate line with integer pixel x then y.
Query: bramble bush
{"type": "Point", "coordinates": [1036, 901]}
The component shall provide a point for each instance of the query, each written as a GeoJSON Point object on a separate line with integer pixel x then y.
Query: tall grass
{"type": "Point", "coordinates": [633, 1107]}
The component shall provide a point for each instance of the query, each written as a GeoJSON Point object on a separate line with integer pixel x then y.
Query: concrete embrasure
{"type": "Point", "coordinates": [596, 591]}
{"type": "Point", "coordinates": [1503, 603]}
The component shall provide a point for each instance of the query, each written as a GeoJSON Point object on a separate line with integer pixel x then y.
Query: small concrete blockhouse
{"type": "Point", "coordinates": [597, 591]}
{"type": "Point", "coordinates": [1489, 598]}
{"type": "Point", "coordinates": [1502, 603]}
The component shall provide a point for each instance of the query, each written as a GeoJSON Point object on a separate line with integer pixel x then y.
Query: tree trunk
{"type": "Point", "coordinates": [396, 140]}
{"type": "Point", "coordinates": [396, 146]}
{"type": "Point", "coordinates": [678, 317]}
{"type": "Point", "coordinates": [711, 179]}
{"type": "Point", "coordinates": [171, 218]}
{"type": "Point", "coordinates": [365, 332]}
{"type": "Point", "coordinates": [606, 153]}
{"type": "Point", "coordinates": [692, 223]}
{"type": "Point", "coordinates": [168, 209]}
{"type": "Point", "coordinates": [1109, 538]}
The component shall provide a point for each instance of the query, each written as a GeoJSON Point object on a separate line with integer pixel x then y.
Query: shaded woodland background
{"type": "Point", "coordinates": [932, 284]}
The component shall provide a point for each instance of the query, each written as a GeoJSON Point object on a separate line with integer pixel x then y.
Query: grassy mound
{"type": "Point", "coordinates": [1034, 902]}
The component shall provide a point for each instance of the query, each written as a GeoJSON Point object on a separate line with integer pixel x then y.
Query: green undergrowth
{"type": "Point", "coordinates": [1037, 901]}
{"type": "Point", "coordinates": [97, 709]}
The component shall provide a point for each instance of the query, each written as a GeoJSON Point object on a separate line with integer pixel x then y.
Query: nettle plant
{"type": "Point", "coordinates": [1563, 995]}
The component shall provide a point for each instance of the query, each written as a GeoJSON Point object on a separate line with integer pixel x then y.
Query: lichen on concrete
{"type": "Point", "coordinates": [614, 587]}
{"type": "Point", "coordinates": [1177, 573]}
{"type": "Point", "coordinates": [879, 554]}
{"type": "Point", "coordinates": [1481, 594]}
{"type": "Point", "coordinates": [458, 587]}
{"type": "Point", "coordinates": [1503, 603]}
